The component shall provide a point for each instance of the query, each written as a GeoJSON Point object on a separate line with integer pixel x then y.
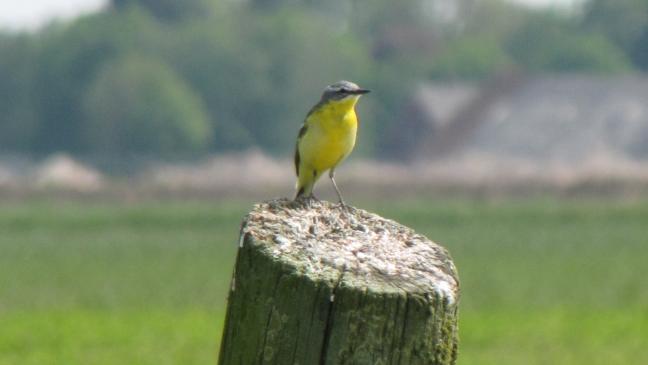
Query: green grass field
{"type": "Point", "coordinates": [543, 281]}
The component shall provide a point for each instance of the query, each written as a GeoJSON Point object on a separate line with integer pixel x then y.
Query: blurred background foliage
{"type": "Point", "coordinates": [174, 79]}
{"type": "Point", "coordinates": [545, 215]}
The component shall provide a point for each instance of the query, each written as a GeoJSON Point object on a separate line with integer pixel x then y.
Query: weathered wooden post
{"type": "Point", "coordinates": [317, 284]}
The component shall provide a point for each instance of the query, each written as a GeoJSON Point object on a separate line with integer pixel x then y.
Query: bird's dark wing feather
{"type": "Point", "coordinates": [302, 131]}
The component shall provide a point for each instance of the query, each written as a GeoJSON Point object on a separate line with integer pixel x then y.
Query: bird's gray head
{"type": "Point", "coordinates": [341, 90]}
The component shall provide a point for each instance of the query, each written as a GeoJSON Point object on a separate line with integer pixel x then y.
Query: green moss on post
{"type": "Point", "coordinates": [317, 284]}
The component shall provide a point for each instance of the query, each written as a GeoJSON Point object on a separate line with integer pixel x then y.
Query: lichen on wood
{"type": "Point", "coordinates": [316, 283]}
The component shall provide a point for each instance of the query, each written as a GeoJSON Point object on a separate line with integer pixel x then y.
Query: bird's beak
{"type": "Point", "coordinates": [359, 91]}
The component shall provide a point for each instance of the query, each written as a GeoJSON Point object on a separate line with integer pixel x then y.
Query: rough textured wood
{"type": "Point", "coordinates": [318, 284]}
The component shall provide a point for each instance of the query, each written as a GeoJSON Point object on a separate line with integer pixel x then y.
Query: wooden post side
{"type": "Point", "coordinates": [316, 284]}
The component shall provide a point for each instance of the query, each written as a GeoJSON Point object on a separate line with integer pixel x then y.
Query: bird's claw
{"type": "Point", "coordinates": [343, 206]}
{"type": "Point", "coordinates": [309, 200]}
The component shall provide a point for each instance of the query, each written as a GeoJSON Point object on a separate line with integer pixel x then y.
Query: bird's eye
{"type": "Point", "coordinates": [343, 91]}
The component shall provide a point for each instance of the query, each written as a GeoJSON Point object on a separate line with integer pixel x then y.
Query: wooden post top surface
{"type": "Point", "coordinates": [325, 242]}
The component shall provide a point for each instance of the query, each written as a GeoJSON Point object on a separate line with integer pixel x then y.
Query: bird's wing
{"type": "Point", "coordinates": [302, 131]}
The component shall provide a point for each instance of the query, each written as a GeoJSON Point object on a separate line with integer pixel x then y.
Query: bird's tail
{"type": "Point", "coordinates": [303, 190]}
{"type": "Point", "coordinates": [305, 183]}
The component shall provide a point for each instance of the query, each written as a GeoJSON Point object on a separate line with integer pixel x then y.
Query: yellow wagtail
{"type": "Point", "coordinates": [327, 136]}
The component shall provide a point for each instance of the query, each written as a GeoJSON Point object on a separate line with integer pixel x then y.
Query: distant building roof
{"type": "Point", "coordinates": [568, 118]}
{"type": "Point", "coordinates": [551, 117]}
{"type": "Point", "coordinates": [441, 102]}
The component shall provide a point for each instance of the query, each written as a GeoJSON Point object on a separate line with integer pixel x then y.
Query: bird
{"type": "Point", "coordinates": [327, 136]}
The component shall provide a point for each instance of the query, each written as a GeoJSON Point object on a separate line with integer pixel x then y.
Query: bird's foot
{"type": "Point", "coordinates": [342, 205]}
{"type": "Point", "coordinates": [309, 200]}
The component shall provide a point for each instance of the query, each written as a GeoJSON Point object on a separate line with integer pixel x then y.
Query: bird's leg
{"type": "Point", "coordinates": [332, 176]}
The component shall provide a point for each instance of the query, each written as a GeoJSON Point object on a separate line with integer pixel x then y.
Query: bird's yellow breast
{"type": "Point", "coordinates": [330, 136]}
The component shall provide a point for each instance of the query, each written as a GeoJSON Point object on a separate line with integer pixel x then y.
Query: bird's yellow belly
{"type": "Point", "coordinates": [329, 143]}
{"type": "Point", "coordinates": [332, 151]}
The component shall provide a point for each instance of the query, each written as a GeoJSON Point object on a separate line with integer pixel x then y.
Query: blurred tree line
{"type": "Point", "coordinates": [180, 78]}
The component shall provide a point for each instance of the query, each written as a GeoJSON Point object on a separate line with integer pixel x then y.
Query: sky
{"type": "Point", "coordinates": [551, 3]}
{"type": "Point", "coordinates": [32, 14]}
